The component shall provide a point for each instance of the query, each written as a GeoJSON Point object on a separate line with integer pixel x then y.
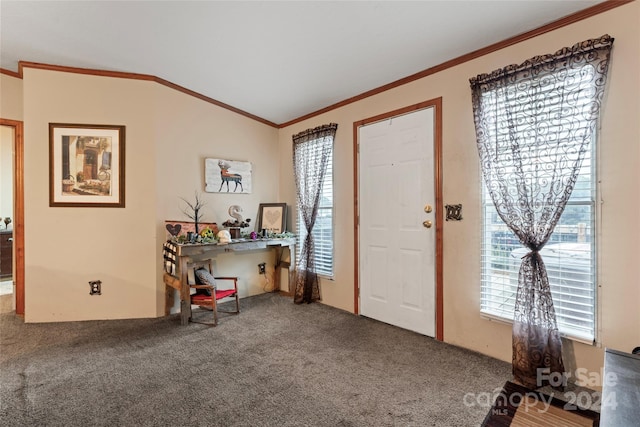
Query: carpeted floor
{"type": "Point", "coordinates": [275, 364]}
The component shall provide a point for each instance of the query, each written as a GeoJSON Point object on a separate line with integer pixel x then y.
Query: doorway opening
{"type": "Point", "coordinates": [398, 207]}
{"type": "Point", "coordinates": [12, 212]}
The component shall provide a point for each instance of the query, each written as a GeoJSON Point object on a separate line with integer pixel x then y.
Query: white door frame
{"type": "Point", "coordinates": [437, 171]}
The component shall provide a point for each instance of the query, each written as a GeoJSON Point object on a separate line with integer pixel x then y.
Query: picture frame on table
{"type": "Point", "coordinates": [272, 217]}
{"type": "Point", "coordinates": [86, 165]}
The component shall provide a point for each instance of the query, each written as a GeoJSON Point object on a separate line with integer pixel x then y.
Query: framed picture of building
{"type": "Point", "coordinates": [86, 165]}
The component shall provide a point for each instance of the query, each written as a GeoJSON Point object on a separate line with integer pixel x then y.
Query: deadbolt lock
{"type": "Point", "coordinates": [427, 223]}
{"type": "Point", "coordinates": [428, 209]}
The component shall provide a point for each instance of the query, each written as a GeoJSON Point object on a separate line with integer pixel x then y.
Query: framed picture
{"type": "Point", "coordinates": [227, 176]}
{"type": "Point", "coordinates": [272, 217]}
{"type": "Point", "coordinates": [86, 165]}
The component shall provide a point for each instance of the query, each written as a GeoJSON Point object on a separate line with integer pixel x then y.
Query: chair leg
{"type": "Point", "coordinates": [237, 296]}
{"type": "Point", "coordinates": [215, 309]}
{"type": "Point", "coordinates": [235, 286]}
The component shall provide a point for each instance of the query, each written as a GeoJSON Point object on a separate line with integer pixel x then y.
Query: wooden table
{"type": "Point", "coordinates": [621, 390]}
{"type": "Point", "coordinates": [189, 253]}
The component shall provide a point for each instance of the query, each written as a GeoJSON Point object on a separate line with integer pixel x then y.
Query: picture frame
{"type": "Point", "coordinates": [272, 217]}
{"type": "Point", "coordinates": [86, 165]}
{"type": "Point", "coordinates": [227, 176]}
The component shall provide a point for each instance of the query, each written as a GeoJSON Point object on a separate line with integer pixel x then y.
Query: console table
{"type": "Point", "coordinates": [189, 253]}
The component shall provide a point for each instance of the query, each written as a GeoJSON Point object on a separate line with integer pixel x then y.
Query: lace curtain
{"type": "Point", "coordinates": [534, 123]}
{"type": "Point", "coordinates": [312, 149]}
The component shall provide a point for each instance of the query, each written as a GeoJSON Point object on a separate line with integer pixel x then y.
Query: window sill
{"type": "Point", "coordinates": [494, 318]}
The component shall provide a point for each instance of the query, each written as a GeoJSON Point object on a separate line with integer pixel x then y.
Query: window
{"type": "Point", "coordinates": [323, 229]}
{"type": "Point", "coordinates": [313, 172]}
{"type": "Point", "coordinates": [569, 255]}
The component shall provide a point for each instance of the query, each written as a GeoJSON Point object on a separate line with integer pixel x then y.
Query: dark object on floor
{"type": "Point", "coordinates": [519, 406]}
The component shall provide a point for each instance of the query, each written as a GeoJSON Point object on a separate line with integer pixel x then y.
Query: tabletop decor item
{"type": "Point", "coordinates": [194, 211]}
{"type": "Point", "coordinates": [272, 218]}
{"type": "Point", "coordinates": [177, 231]}
{"type": "Point", "coordinates": [237, 223]}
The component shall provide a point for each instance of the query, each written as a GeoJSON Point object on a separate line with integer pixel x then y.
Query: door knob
{"type": "Point", "coordinates": [428, 209]}
{"type": "Point", "coordinates": [427, 223]}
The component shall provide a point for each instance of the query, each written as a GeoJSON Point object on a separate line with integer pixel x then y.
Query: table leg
{"type": "Point", "coordinates": [185, 297]}
{"type": "Point", "coordinates": [169, 299]}
{"type": "Point", "coordinates": [292, 267]}
{"type": "Point", "coordinates": [277, 269]}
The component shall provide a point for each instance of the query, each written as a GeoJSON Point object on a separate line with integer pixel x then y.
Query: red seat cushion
{"type": "Point", "coordinates": [201, 297]}
{"type": "Point", "coordinates": [223, 293]}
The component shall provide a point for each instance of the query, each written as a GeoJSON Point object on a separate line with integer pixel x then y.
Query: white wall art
{"type": "Point", "coordinates": [227, 176]}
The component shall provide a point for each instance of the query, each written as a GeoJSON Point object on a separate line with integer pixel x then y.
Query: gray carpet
{"type": "Point", "coordinates": [275, 364]}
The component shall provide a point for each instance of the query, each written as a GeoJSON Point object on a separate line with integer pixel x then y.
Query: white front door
{"type": "Point", "coordinates": [396, 250]}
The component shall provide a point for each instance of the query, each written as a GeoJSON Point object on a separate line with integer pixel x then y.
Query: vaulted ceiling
{"type": "Point", "coordinates": [276, 60]}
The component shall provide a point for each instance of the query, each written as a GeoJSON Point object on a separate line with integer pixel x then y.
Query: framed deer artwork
{"type": "Point", "coordinates": [227, 176]}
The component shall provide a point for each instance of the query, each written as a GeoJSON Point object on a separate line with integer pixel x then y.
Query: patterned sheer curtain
{"type": "Point", "coordinates": [312, 150]}
{"type": "Point", "coordinates": [534, 123]}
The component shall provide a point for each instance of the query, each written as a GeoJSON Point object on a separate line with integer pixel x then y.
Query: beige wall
{"type": "Point", "coordinates": [10, 97]}
{"type": "Point", "coordinates": [619, 293]}
{"type": "Point", "coordinates": [65, 247]}
{"type": "Point", "coordinates": [10, 108]}
{"type": "Point", "coordinates": [168, 136]}
{"type": "Point", "coordinates": [6, 172]}
{"type": "Point", "coordinates": [188, 131]}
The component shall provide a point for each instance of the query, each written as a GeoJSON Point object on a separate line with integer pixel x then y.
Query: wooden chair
{"type": "Point", "coordinates": [208, 294]}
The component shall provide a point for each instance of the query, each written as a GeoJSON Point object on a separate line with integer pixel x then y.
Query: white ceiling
{"type": "Point", "coordinates": [276, 60]}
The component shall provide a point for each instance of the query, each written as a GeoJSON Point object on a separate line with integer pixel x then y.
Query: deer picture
{"type": "Point", "coordinates": [229, 177]}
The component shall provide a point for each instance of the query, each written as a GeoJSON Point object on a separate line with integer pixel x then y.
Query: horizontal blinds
{"type": "Point", "coordinates": [569, 257]}
{"type": "Point", "coordinates": [323, 228]}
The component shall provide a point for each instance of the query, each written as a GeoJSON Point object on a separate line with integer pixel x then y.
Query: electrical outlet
{"type": "Point", "coordinates": [262, 268]}
{"type": "Point", "coordinates": [95, 287]}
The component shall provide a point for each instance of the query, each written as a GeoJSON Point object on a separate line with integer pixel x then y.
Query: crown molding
{"type": "Point", "coordinates": [136, 76]}
{"type": "Point", "coordinates": [10, 73]}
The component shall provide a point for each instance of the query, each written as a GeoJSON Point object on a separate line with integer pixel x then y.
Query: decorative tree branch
{"type": "Point", "coordinates": [193, 211]}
